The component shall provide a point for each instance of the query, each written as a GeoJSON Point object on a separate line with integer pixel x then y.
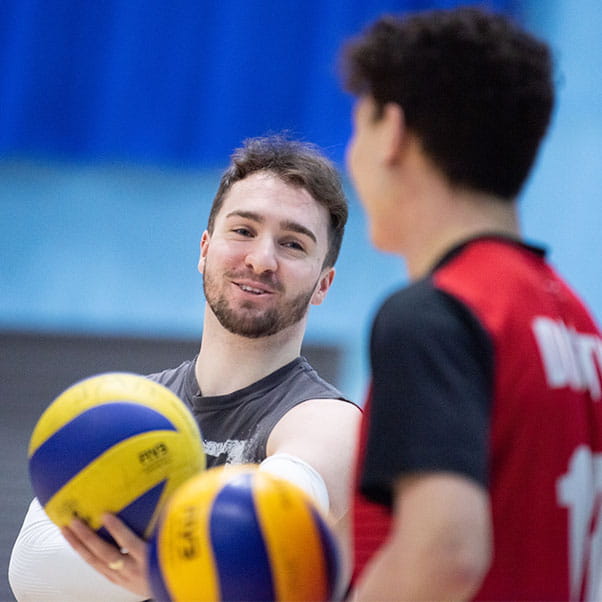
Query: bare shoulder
{"type": "Point", "coordinates": [316, 420]}
{"type": "Point", "coordinates": [325, 410]}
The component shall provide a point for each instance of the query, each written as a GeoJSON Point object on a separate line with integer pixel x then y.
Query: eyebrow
{"type": "Point", "coordinates": [285, 225]}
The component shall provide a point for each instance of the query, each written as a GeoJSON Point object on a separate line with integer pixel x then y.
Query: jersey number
{"type": "Point", "coordinates": [580, 491]}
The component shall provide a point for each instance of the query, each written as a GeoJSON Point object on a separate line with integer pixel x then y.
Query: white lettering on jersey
{"type": "Point", "coordinates": [580, 491]}
{"type": "Point", "coordinates": [570, 358]}
{"type": "Point", "coordinates": [233, 449]}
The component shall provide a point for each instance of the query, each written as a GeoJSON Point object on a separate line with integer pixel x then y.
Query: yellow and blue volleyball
{"type": "Point", "coordinates": [239, 533]}
{"type": "Point", "coordinates": [116, 443]}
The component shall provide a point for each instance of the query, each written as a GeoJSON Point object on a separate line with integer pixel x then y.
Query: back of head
{"type": "Point", "coordinates": [298, 164]}
{"type": "Point", "coordinates": [475, 88]}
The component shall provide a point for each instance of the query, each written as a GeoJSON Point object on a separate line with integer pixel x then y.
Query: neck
{"type": "Point", "coordinates": [497, 219]}
{"type": "Point", "coordinates": [229, 362]}
{"type": "Point", "coordinates": [443, 216]}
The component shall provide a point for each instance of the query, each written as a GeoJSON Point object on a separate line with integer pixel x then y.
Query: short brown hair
{"type": "Point", "coordinates": [297, 163]}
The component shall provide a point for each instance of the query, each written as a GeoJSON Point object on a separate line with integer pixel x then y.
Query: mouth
{"type": "Point", "coordinates": [253, 290]}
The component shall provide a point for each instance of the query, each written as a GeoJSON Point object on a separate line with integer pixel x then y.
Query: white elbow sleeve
{"type": "Point", "coordinates": [299, 473]}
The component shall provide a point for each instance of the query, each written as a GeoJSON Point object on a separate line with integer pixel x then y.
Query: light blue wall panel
{"type": "Point", "coordinates": [562, 205]}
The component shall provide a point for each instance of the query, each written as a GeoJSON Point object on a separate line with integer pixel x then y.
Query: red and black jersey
{"type": "Point", "coordinates": [491, 367]}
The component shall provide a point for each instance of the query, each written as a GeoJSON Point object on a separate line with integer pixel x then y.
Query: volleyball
{"type": "Point", "coordinates": [117, 443]}
{"type": "Point", "coordinates": [239, 533]}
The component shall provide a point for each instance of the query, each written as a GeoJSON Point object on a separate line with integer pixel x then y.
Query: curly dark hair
{"type": "Point", "coordinates": [475, 88]}
{"type": "Point", "coordinates": [294, 162]}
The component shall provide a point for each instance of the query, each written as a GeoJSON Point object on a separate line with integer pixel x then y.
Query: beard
{"type": "Point", "coordinates": [248, 321]}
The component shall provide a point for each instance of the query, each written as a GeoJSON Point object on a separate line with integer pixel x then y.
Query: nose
{"type": "Point", "coordinates": [262, 256]}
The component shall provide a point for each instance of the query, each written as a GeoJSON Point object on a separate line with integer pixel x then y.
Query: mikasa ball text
{"type": "Point", "coordinates": [239, 533]}
{"type": "Point", "coordinates": [116, 443]}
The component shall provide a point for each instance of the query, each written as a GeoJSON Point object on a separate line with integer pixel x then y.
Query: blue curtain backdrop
{"type": "Point", "coordinates": [178, 82]}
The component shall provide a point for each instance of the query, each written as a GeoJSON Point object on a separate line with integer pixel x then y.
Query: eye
{"type": "Point", "coordinates": [243, 231]}
{"type": "Point", "coordinates": [294, 245]}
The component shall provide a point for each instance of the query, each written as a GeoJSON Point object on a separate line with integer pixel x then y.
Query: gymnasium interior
{"type": "Point", "coordinates": [116, 120]}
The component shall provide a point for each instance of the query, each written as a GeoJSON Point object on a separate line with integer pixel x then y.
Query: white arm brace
{"type": "Point", "coordinates": [299, 473]}
{"type": "Point", "coordinates": [44, 567]}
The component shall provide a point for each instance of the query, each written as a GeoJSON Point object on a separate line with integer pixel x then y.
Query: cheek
{"type": "Point", "coordinates": [298, 278]}
{"type": "Point", "coordinates": [224, 253]}
{"type": "Point", "coordinates": [385, 230]}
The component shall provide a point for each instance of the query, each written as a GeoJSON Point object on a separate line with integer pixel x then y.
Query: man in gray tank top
{"type": "Point", "coordinates": [272, 239]}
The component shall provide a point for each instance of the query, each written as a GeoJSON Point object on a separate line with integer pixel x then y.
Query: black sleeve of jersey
{"type": "Point", "coordinates": [432, 386]}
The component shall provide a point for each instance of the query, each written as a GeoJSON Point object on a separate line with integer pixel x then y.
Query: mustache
{"type": "Point", "coordinates": [269, 280]}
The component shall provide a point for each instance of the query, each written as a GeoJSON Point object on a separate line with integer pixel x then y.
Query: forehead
{"type": "Point", "coordinates": [271, 198]}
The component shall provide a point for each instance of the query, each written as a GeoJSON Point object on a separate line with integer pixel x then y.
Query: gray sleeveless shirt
{"type": "Point", "coordinates": [235, 427]}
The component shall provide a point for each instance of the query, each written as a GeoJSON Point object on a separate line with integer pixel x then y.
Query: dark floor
{"type": "Point", "coordinates": [35, 368]}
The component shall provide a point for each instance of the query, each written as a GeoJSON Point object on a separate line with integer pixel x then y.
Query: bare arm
{"type": "Point", "coordinates": [323, 433]}
{"type": "Point", "coordinates": [440, 542]}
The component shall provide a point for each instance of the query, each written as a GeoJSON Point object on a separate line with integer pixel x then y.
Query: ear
{"type": "Point", "coordinates": [393, 132]}
{"type": "Point", "coordinates": [204, 245]}
{"type": "Point", "coordinates": [323, 286]}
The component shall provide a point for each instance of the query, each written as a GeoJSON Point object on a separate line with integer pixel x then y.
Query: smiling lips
{"type": "Point", "coordinates": [252, 289]}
